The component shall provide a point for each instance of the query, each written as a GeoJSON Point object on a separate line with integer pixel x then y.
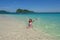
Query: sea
{"type": "Point", "coordinates": [48, 22]}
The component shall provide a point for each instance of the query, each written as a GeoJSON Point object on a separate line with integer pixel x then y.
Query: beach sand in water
{"type": "Point", "coordinates": [10, 29]}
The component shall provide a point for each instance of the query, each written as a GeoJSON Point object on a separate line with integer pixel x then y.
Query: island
{"type": "Point", "coordinates": [6, 12]}
{"type": "Point", "coordinates": [18, 11]}
{"type": "Point", "coordinates": [3, 11]}
{"type": "Point", "coordinates": [23, 11]}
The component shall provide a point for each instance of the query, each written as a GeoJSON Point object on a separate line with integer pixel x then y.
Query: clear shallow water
{"type": "Point", "coordinates": [49, 23]}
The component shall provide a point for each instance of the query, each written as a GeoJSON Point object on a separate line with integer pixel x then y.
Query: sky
{"type": "Point", "coordinates": [33, 5]}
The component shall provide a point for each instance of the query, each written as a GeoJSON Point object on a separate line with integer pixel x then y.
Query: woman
{"type": "Point", "coordinates": [30, 23]}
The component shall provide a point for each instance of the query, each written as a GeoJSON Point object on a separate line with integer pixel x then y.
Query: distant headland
{"type": "Point", "coordinates": [23, 11]}
{"type": "Point", "coordinates": [18, 11]}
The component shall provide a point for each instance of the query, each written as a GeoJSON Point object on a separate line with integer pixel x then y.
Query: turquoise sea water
{"type": "Point", "coordinates": [48, 23]}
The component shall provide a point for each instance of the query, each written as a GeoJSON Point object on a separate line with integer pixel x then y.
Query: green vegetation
{"type": "Point", "coordinates": [3, 11]}
{"type": "Point", "coordinates": [18, 11]}
{"type": "Point", "coordinates": [23, 11]}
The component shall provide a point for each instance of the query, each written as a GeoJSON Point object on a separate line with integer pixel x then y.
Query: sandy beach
{"type": "Point", "coordinates": [10, 29]}
{"type": "Point", "coordinates": [29, 19]}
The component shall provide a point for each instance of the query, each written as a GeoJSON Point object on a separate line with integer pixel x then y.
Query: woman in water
{"type": "Point", "coordinates": [30, 23]}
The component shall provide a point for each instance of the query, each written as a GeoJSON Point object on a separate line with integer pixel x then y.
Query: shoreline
{"type": "Point", "coordinates": [10, 29]}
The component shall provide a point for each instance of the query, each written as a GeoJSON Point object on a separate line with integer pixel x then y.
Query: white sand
{"type": "Point", "coordinates": [10, 29]}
